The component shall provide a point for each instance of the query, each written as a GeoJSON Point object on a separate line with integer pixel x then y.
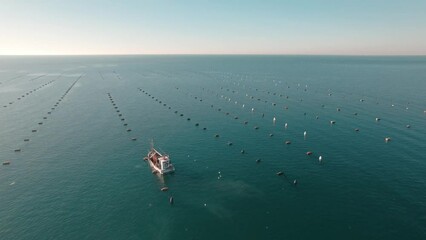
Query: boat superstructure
{"type": "Point", "coordinates": [160, 163]}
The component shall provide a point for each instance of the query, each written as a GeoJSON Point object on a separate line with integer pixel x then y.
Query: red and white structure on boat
{"type": "Point", "coordinates": [160, 163]}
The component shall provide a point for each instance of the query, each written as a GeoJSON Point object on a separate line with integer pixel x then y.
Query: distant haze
{"type": "Point", "coordinates": [335, 27]}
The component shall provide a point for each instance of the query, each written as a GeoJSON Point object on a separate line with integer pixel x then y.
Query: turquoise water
{"type": "Point", "coordinates": [81, 176]}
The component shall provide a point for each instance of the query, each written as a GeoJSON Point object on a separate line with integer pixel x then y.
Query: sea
{"type": "Point", "coordinates": [264, 147]}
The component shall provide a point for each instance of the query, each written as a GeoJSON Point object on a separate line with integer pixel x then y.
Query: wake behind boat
{"type": "Point", "coordinates": [159, 163]}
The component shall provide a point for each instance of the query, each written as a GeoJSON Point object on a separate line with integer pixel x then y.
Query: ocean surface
{"type": "Point", "coordinates": [70, 169]}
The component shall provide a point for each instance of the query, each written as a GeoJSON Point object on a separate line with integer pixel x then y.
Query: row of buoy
{"type": "Point", "coordinates": [120, 115]}
{"type": "Point", "coordinates": [30, 92]}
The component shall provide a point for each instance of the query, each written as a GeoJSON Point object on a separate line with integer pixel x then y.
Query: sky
{"type": "Point", "coordinates": [318, 27]}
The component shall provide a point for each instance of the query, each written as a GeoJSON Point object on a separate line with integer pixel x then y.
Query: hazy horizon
{"type": "Point", "coordinates": [341, 28]}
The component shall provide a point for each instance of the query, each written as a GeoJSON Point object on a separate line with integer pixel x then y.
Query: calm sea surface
{"type": "Point", "coordinates": [76, 173]}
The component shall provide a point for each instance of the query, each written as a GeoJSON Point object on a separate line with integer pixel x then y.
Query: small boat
{"type": "Point", "coordinates": [308, 153]}
{"type": "Point", "coordinates": [387, 139]}
{"type": "Point", "coordinates": [6, 163]}
{"type": "Point", "coordinates": [287, 142]}
{"type": "Point", "coordinates": [159, 162]}
{"type": "Point", "coordinates": [164, 189]}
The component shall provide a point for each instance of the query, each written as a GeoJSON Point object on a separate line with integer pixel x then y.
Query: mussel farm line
{"type": "Point", "coordinates": [120, 115]}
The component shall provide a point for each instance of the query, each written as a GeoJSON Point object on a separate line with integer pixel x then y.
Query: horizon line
{"type": "Point", "coordinates": [212, 54]}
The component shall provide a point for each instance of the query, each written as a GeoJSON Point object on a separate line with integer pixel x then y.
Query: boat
{"type": "Point", "coordinates": [160, 163]}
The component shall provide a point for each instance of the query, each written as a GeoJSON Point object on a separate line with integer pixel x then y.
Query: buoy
{"type": "Point", "coordinates": [295, 182]}
{"type": "Point", "coordinates": [216, 135]}
{"type": "Point", "coordinates": [285, 125]}
{"type": "Point", "coordinates": [377, 119]}
{"type": "Point", "coordinates": [229, 143]}
{"type": "Point", "coordinates": [356, 129]}
{"type": "Point", "coordinates": [387, 139]}
{"type": "Point", "coordinates": [133, 139]}
{"type": "Point", "coordinates": [305, 133]}
{"type": "Point", "coordinates": [287, 142]}
{"type": "Point", "coordinates": [332, 122]}
{"type": "Point", "coordinates": [258, 160]}
{"type": "Point", "coordinates": [197, 124]}
{"type": "Point", "coordinates": [242, 151]}
{"type": "Point", "coordinates": [273, 120]}
{"type": "Point", "coordinates": [271, 134]}
{"type": "Point", "coordinates": [407, 126]}
{"type": "Point", "coordinates": [320, 158]}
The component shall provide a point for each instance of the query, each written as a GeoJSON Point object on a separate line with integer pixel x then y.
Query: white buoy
{"type": "Point", "coordinates": [243, 105]}
{"type": "Point", "coordinates": [273, 120]}
{"type": "Point", "coordinates": [252, 109]}
{"type": "Point", "coordinates": [305, 133]}
{"type": "Point", "coordinates": [285, 125]}
{"type": "Point", "coordinates": [320, 159]}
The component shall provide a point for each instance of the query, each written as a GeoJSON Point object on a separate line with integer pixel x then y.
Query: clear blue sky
{"type": "Point", "coordinates": [360, 27]}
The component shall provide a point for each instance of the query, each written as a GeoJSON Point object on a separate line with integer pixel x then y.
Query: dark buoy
{"type": "Point", "coordinates": [271, 134]}
{"type": "Point", "coordinates": [216, 135]}
{"type": "Point", "coordinates": [242, 151]}
{"type": "Point", "coordinates": [229, 143]}
{"type": "Point", "coordinates": [256, 127]}
{"type": "Point", "coordinates": [204, 128]}
{"type": "Point", "coordinates": [408, 126]}
{"type": "Point", "coordinates": [197, 124]}
{"type": "Point", "coordinates": [258, 160]}
{"type": "Point", "coordinates": [356, 129]}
